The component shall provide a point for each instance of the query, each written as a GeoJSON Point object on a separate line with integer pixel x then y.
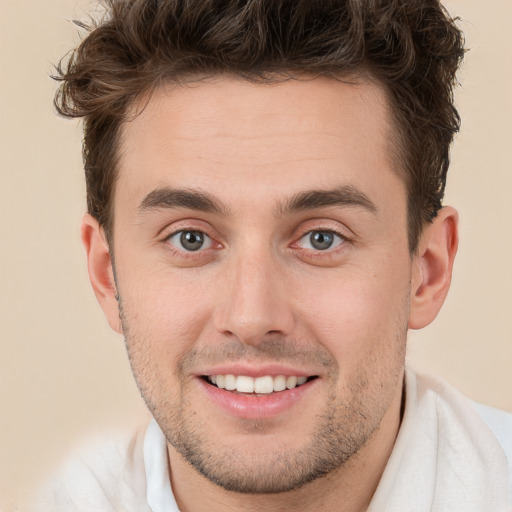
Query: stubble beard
{"type": "Point", "coordinates": [340, 431]}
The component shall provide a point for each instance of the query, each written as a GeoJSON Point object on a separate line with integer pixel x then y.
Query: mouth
{"type": "Point", "coordinates": [257, 386]}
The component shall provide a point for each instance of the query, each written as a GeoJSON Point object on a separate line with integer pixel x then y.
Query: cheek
{"type": "Point", "coordinates": [358, 313]}
{"type": "Point", "coordinates": [164, 311]}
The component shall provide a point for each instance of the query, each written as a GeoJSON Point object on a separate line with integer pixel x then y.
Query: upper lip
{"type": "Point", "coordinates": [255, 371]}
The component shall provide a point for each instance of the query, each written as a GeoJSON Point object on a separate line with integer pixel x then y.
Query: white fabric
{"type": "Point", "coordinates": [102, 476]}
{"type": "Point", "coordinates": [160, 496]}
{"type": "Point", "coordinates": [445, 458]}
{"type": "Point", "coordinates": [450, 455]}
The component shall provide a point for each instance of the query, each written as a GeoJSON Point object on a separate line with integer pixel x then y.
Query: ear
{"type": "Point", "coordinates": [432, 267]}
{"type": "Point", "coordinates": [100, 269]}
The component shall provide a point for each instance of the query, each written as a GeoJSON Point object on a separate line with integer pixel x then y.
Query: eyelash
{"type": "Point", "coordinates": [337, 234]}
{"type": "Point", "coordinates": [185, 255]}
{"type": "Point", "coordinates": [312, 253]}
{"type": "Point", "coordinates": [208, 242]}
{"type": "Point", "coordinates": [328, 254]}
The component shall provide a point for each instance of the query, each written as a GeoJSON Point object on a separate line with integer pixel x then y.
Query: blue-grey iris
{"type": "Point", "coordinates": [192, 240]}
{"type": "Point", "coordinates": [321, 240]}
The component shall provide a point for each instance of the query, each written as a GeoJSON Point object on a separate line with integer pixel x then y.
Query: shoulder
{"type": "Point", "coordinates": [497, 421]}
{"type": "Point", "coordinates": [488, 428]}
{"type": "Point", "coordinates": [446, 455]}
{"type": "Point", "coordinates": [446, 396]}
{"type": "Point", "coordinates": [105, 475]}
{"type": "Point", "coordinates": [500, 423]}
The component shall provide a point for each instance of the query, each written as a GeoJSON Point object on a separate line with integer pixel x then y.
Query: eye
{"type": "Point", "coordinates": [320, 240]}
{"type": "Point", "coordinates": [190, 241]}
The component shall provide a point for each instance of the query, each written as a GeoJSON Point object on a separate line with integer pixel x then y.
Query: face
{"type": "Point", "coordinates": [264, 276]}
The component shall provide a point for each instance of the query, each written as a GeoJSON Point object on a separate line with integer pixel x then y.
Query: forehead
{"type": "Point", "coordinates": [233, 137]}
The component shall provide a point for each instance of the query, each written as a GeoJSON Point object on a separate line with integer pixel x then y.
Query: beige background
{"type": "Point", "coordinates": [64, 375]}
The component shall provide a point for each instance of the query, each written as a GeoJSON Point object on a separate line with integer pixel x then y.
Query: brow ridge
{"type": "Point", "coordinates": [168, 197]}
{"type": "Point", "coordinates": [345, 195]}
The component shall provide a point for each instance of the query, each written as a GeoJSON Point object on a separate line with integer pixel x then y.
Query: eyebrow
{"type": "Point", "coordinates": [167, 197]}
{"type": "Point", "coordinates": [346, 195]}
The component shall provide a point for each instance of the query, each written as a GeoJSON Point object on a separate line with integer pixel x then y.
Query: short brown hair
{"type": "Point", "coordinates": [411, 47]}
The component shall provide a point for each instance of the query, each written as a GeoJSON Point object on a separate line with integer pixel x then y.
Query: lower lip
{"type": "Point", "coordinates": [252, 406]}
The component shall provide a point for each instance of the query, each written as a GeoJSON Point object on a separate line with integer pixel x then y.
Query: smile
{"type": "Point", "coordinates": [260, 385]}
{"type": "Point", "coordinates": [264, 394]}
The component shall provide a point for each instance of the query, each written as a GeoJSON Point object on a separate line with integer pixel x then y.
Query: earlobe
{"type": "Point", "coordinates": [432, 268]}
{"type": "Point", "coordinates": [99, 265]}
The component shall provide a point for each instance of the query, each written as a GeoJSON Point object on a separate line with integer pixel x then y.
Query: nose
{"type": "Point", "coordinates": [254, 303]}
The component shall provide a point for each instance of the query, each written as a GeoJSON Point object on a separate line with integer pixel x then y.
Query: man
{"type": "Point", "coordinates": [265, 224]}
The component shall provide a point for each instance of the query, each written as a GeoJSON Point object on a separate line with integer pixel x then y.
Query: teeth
{"type": "Point", "coordinates": [260, 385]}
{"type": "Point", "coordinates": [230, 382]}
{"type": "Point", "coordinates": [279, 383]}
{"type": "Point", "coordinates": [264, 385]}
{"type": "Point", "coordinates": [244, 384]}
{"type": "Point", "coordinates": [291, 382]}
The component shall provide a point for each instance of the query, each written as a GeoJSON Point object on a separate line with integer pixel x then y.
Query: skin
{"type": "Point", "coordinates": [258, 293]}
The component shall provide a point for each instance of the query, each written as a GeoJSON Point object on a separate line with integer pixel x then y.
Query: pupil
{"type": "Point", "coordinates": [321, 240]}
{"type": "Point", "coordinates": [192, 240]}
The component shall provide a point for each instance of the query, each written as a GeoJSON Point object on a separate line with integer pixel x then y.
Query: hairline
{"type": "Point", "coordinates": [396, 139]}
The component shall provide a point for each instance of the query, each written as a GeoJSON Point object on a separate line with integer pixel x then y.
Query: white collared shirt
{"type": "Point", "coordinates": [450, 455]}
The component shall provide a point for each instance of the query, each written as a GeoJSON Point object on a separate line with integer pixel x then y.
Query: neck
{"type": "Point", "coordinates": [347, 489]}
